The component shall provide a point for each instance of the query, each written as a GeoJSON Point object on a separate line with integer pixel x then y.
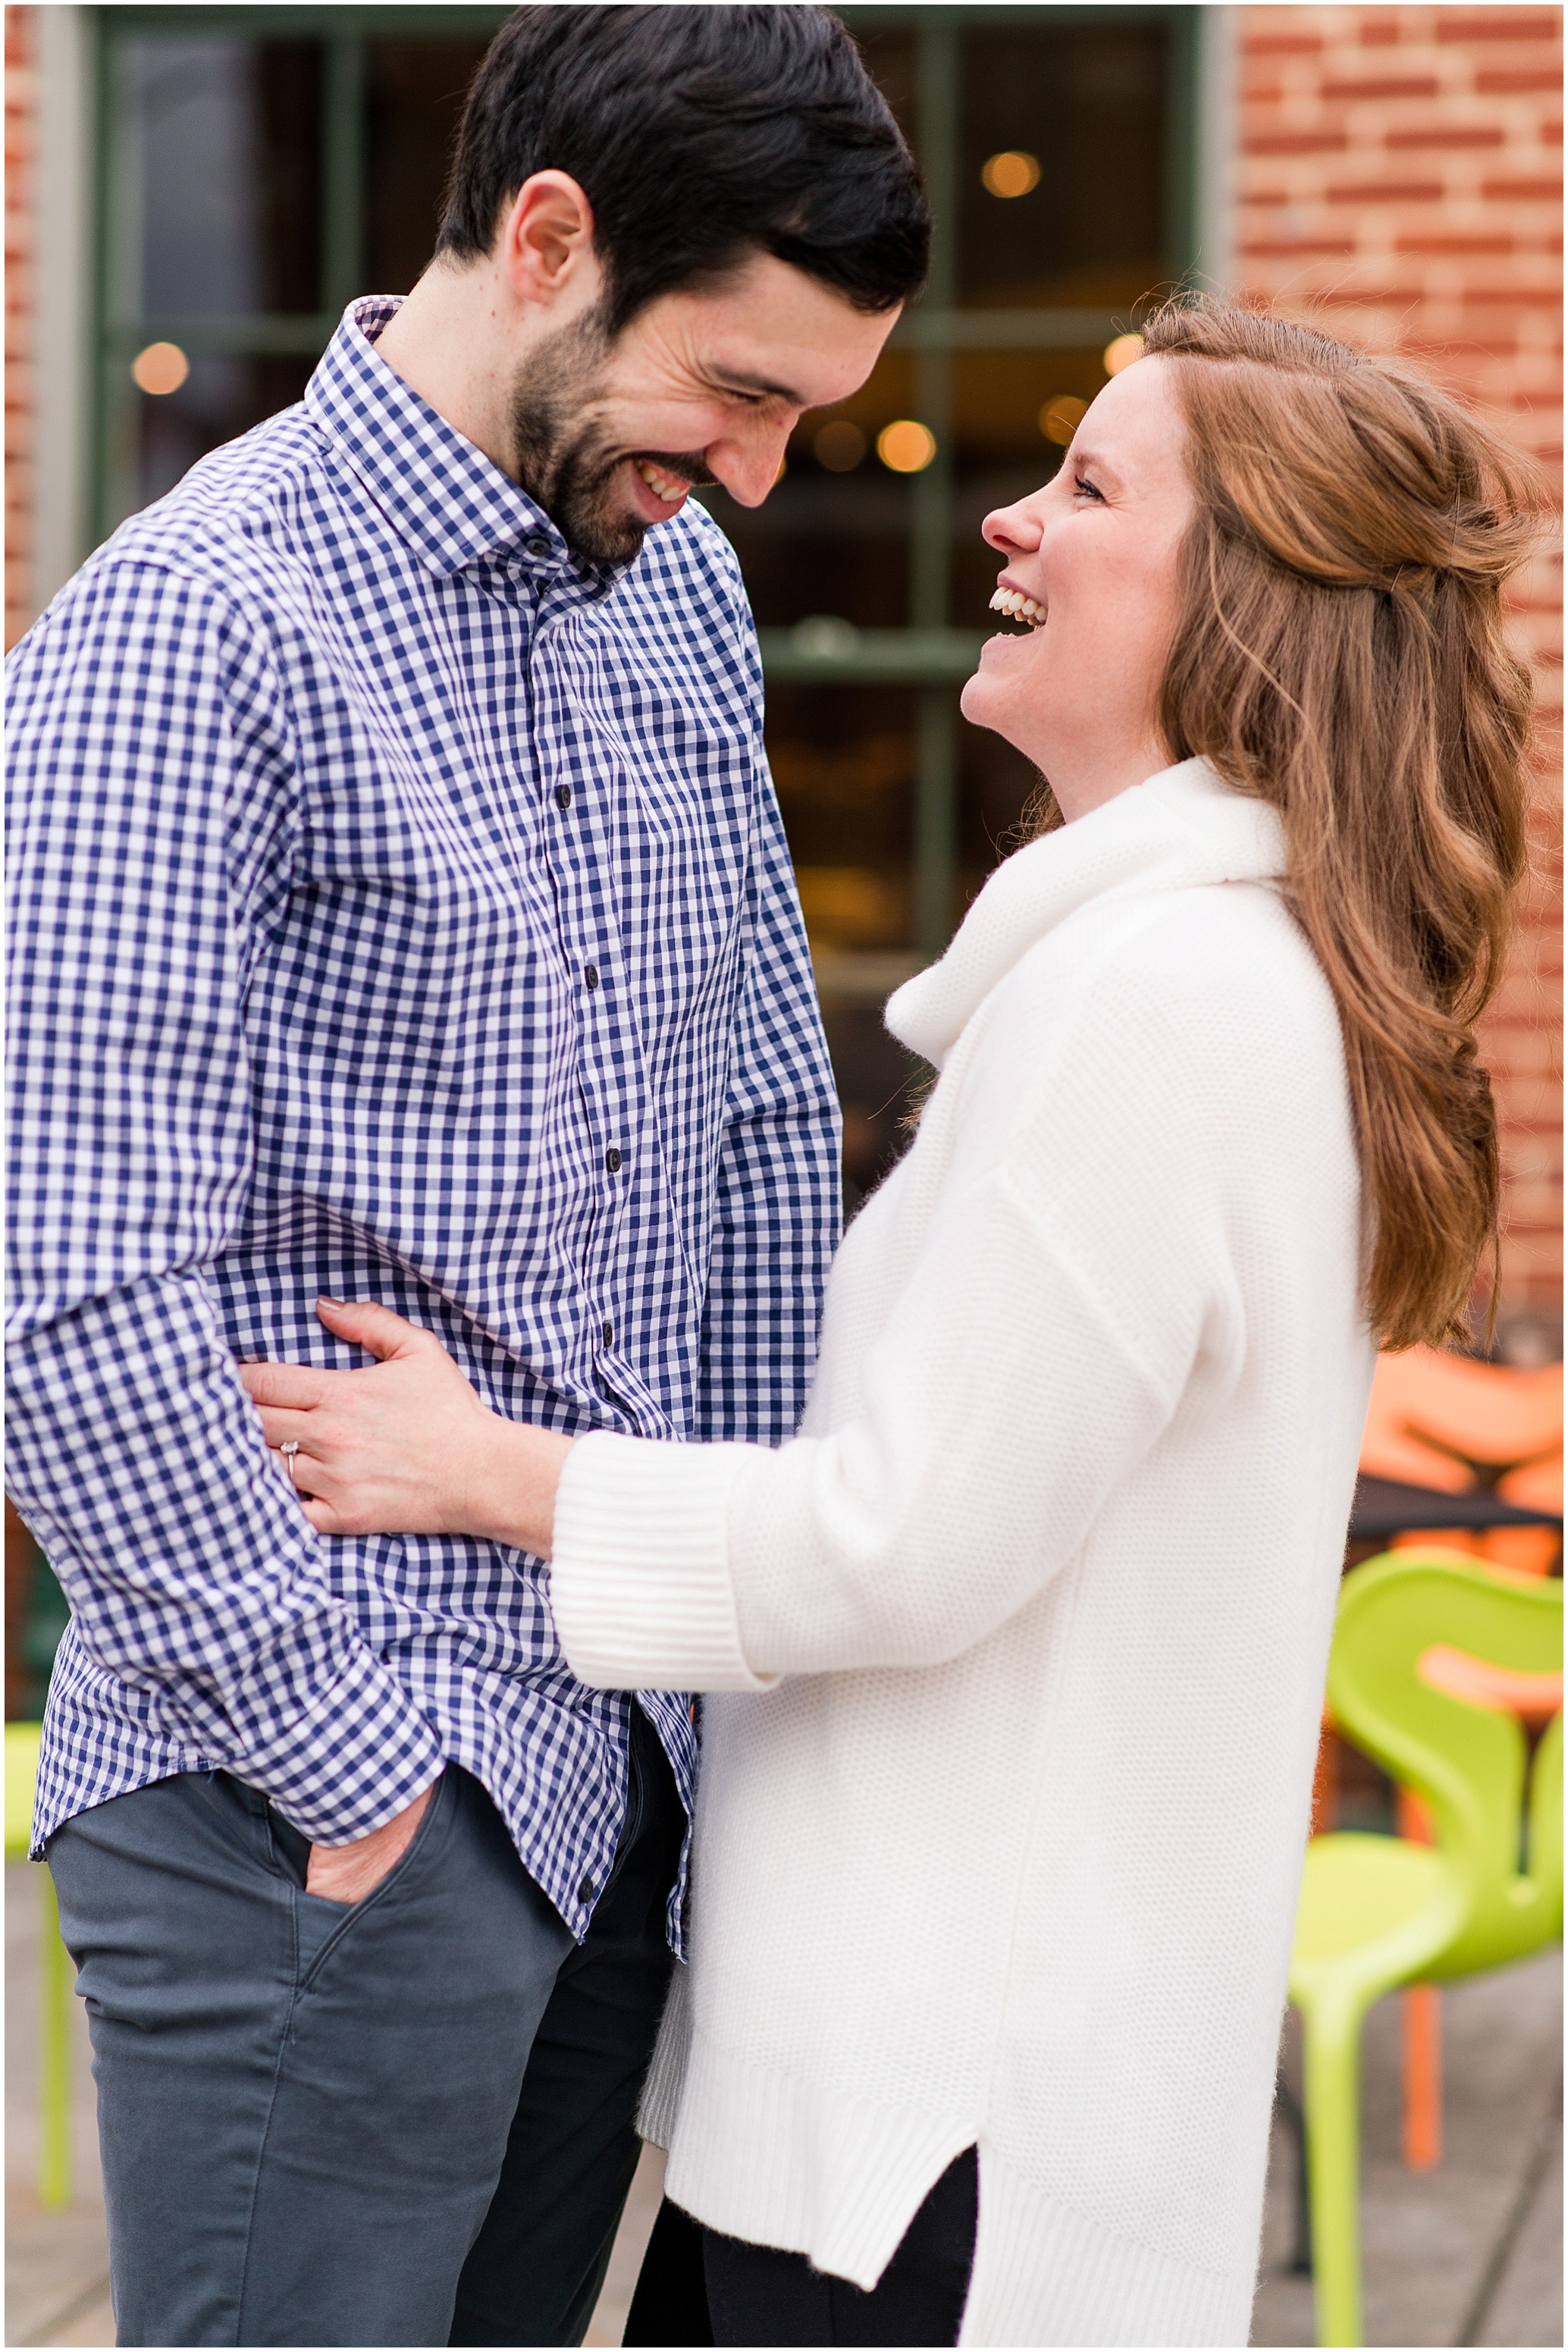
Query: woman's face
{"type": "Point", "coordinates": [1098, 553]}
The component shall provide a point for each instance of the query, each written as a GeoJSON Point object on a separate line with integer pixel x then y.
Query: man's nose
{"type": "Point", "coordinates": [1012, 530]}
{"type": "Point", "coordinates": [749, 468]}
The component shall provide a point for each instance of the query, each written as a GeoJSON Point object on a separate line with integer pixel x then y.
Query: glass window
{"type": "Point", "coordinates": [1081, 217]}
{"type": "Point", "coordinates": [222, 143]}
{"type": "Point", "coordinates": [263, 165]}
{"type": "Point", "coordinates": [413, 93]}
{"type": "Point", "coordinates": [221, 397]}
{"type": "Point", "coordinates": [833, 538]}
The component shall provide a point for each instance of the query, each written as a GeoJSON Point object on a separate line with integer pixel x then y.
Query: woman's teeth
{"type": "Point", "coordinates": [1018, 607]}
{"type": "Point", "coordinates": [660, 484]}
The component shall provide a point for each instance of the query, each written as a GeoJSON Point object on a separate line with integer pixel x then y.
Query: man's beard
{"type": "Point", "coordinates": [564, 461]}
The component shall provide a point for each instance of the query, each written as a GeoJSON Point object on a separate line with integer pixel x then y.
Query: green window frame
{"type": "Point", "coordinates": [930, 653]}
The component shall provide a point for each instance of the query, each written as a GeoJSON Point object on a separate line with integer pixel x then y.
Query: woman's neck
{"type": "Point", "coordinates": [1085, 776]}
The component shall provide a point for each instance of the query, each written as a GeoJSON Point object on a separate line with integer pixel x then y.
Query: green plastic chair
{"type": "Point", "coordinates": [1377, 1913]}
{"type": "Point", "coordinates": [56, 1975]}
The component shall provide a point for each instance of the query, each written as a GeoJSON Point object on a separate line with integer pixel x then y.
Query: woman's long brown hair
{"type": "Point", "coordinates": [1340, 653]}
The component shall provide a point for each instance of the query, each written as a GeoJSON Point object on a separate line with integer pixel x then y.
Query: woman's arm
{"type": "Point", "coordinates": [405, 1446]}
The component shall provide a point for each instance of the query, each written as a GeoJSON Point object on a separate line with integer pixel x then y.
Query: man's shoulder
{"type": "Point", "coordinates": [244, 521]}
{"type": "Point", "coordinates": [690, 550]}
{"type": "Point", "coordinates": [684, 593]}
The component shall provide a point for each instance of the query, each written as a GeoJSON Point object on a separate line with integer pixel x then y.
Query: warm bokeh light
{"type": "Point", "coordinates": [1061, 416]}
{"type": "Point", "coordinates": [1122, 353]}
{"type": "Point", "coordinates": [1011, 173]}
{"type": "Point", "coordinates": [906, 447]}
{"type": "Point", "coordinates": [161, 367]}
{"type": "Point", "coordinates": [841, 445]}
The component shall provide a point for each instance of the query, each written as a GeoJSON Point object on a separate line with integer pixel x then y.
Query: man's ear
{"type": "Point", "coordinates": [547, 239]}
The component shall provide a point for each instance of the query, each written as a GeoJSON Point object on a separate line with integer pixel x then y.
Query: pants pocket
{"type": "Point", "coordinates": [323, 1925]}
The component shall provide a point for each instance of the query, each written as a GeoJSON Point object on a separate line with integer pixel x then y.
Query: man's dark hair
{"type": "Point", "coordinates": [699, 136]}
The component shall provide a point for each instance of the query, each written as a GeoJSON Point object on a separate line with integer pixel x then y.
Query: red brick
{"type": "Point", "coordinates": [1528, 298]}
{"type": "Point", "coordinates": [1453, 245]}
{"type": "Point", "coordinates": [1478, 134]}
{"type": "Point", "coordinates": [1281, 44]}
{"type": "Point", "coordinates": [1493, 25]}
{"type": "Point", "coordinates": [1424, 86]}
{"type": "Point", "coordinates": [1510, 85]}
{"type": "Point", "coordinates": [1388, 191]}
{"type": "Point", "coordinates": [1296, 142]}
{"type": "Point", "coordinates": [1522, 192]}
{"type": "Point", "coordinates": [1301, 245]}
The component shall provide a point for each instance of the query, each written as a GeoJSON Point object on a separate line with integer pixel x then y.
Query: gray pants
{"type": "Point", "coordinates": [406, 2121]}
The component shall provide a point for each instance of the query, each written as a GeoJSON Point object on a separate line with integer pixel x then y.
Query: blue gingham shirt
{"type": "Point", "coordinates": [402, 911]}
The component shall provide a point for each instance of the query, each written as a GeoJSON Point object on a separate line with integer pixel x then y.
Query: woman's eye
{"type": "Point", "coordinates": [1085, 488]}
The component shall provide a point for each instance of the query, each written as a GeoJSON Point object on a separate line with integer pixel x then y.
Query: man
{"type": "Point", "coordinates": [404, 913]}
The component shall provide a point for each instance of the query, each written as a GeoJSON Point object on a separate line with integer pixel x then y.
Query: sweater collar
{"type": "Point", "coordinates": [1182, 829]}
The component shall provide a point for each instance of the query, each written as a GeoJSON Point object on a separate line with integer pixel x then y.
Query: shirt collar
{"type": "Point", "coordinates": [445, 496]}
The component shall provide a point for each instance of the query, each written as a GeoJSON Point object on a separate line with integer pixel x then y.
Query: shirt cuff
{"type": "Point", "coordinates": [358, 1754]}
{"type": "Point", "coordinates": [639, 1583]}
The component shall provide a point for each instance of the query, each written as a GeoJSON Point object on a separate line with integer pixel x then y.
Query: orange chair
{"type": "Point", "coordinates": [1446, 1422]}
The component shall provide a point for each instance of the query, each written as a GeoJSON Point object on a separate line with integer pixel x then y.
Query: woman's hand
{"type": "Point", "coordinates": [405, 1447]}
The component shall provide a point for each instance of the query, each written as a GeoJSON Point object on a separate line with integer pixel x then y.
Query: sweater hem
{"type": "Point", "coordinates": [775, 2159]}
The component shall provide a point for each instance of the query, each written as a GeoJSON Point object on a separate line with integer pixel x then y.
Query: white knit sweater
{"type": "Point", "coordinates": [998, 1837]}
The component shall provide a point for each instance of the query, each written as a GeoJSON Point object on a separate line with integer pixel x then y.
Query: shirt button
{"type": "Point", "coordinates": [613, 1160]}
{"type": "Point", "coordinates": [563, 795]}
{"type": "Point", "coordinates": [585, 1892]}
{"type": "Point", "coordinates": [590, 975]}
{"type": "Point", "coordinates": [537, 545]}
{"type": "Point", "coordinates": [609, 1331]}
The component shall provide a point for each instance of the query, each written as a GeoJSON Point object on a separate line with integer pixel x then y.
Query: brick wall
{"type": "Point", "coordinates": [1400, 178]}
{"type": "Point", "coordinates": [20, 112]}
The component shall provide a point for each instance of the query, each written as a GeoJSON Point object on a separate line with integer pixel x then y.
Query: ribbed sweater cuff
{"type": "Point", "coordinates": [639, 1583]}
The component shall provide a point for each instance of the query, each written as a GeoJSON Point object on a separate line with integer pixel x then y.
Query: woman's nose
{"type": "Point", "coordinates": [1012, 530]}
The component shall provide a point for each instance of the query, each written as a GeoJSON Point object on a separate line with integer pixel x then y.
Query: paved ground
{"type": "Point", "coordinates": [1472, 2254]}
{"type": "Point", "coordinates": [1469, 2254]}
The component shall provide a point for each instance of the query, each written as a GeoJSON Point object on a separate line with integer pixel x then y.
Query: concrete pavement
{"type": "Point", "coordinates": [1469, 2254]}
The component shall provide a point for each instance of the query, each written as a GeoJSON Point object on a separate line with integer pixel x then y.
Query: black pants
{"type": "Point", "coordinates": [698, 2287]}
{"type": "Point", "coordinates": [408, 2120]}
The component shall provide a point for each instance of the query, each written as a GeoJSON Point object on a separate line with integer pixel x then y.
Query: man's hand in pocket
{"type": "Point", "coordinates": [347, 1874]}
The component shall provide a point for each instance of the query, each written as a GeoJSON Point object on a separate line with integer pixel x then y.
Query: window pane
{"type": "Point", "coordinates": [832, 536]}
{"type": "Point", "coordinates": [219, 398]}
{"type": "Point", "coordinates": [224, 176]}
{"type": "Point", "coordinates": [1087, 104]}
{"type": "Point", "coordinates": [843, 757]}
{"type": "Point", "coordinates": [414, 103]}
{"type": "Point", "coordinates": [1001, 401]}
{"type": "Point", "coordinates": [995, 787]}
{"type": "Point", "coordinates": [890, 60]}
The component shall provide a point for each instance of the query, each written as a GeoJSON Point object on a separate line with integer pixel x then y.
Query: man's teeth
{"type": "Point", "coordinates": [660, 484]}
{"type": "Point", "coordinates": [1019, 607]}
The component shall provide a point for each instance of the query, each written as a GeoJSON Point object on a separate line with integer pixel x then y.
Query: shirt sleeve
{"type": "Point", "coordinates": [154, 806]}
{"type": "Point", "coordinates": [777, 1200]}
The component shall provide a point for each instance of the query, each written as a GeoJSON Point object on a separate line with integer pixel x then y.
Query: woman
{"type": "Point", "coordinates": [1022, 1640]}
